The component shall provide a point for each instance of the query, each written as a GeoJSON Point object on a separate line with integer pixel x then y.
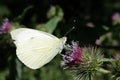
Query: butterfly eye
{"type": "Point", "coordinates": [13, 40]}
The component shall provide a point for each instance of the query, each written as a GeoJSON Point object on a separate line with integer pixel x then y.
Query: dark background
{"type": "Point", "coordinates": [77, 13]}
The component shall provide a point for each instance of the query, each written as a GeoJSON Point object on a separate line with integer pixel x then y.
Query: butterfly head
{"type": "Point", "coordinates": [63, 40]}
{"type": "Point", "coordinates": [62, 43]}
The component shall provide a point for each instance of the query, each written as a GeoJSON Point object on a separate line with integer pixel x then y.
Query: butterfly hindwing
{"type": "Point", "coordinates": [34, 55]}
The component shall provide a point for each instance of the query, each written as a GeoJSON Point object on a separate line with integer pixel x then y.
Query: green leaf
{"type": "Point", "coordinates": [22, 15]}
{"type": "Point", "coordinates": [55, 11]}
{"type": "Point", "coordinates": [4, 11]}
{"type": "Point", "coordinates": [52, 24]}
{"type": "Point", "coordinates": [55, 15]}
{"type": "Point", "coordinates": [3, 74]}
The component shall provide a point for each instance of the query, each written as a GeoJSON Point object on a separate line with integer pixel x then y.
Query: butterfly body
{"type": "Point", "coordinates": [36, 48]}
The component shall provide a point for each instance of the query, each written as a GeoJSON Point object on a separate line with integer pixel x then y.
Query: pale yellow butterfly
{"type": "Point", "coordinates": [36, 48]}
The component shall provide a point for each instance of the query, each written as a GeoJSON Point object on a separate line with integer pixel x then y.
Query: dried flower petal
{"type": "Point", "coordinates": [5, 26]}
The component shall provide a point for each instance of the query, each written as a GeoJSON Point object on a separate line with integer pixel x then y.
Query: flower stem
{"type": "Point", "coordinates": [107, 60]}
{"type": "Point", "coordinates": [104, 71]}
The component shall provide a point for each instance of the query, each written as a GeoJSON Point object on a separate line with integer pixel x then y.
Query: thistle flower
{"type": "Point", "coordinates": [84, 62]}
{"type": "Point", "coordinates": [5, 26]}
{"type": "Point", "coordinates": [115, 70]}
{"type": "Point", "coordinates": [90, 24]}
{"type": "Point", "coordinates": [72, 56]}
{"type": "Point", "coordinates": [115, 66]}
{"type": "Point", "coordinates": [116, 16]}
{"type": "Point", "coordinates": [91, 62]}
{"type": "Point", "coordinates": [98, 42]}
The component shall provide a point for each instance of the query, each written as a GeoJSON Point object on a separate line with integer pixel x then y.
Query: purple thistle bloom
{"type": "Point", "coordinates": [116, 16]}
{"type": "Point", "coordinates": [5, 26]}
{"type": "Point", "coordinates": [90, 24]}
{"type": "Point", "coordinates": [98, 42]}
{"type": "Point", "coordinates": [73, 55]}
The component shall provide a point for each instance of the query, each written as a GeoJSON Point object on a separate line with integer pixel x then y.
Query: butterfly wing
{"type": "Point", "coordinates": [35, 48]}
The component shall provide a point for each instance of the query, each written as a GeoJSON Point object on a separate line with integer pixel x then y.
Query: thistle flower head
{"type": "Point", "coordinates": [5, 26]}
{"type": "Point", "coordinates": [115, 66]}
{"type": "Point", "coordinates": [84, 62]}
{"type": "Point", "coordinates": [90, 24]}
{"type": "Point", "coordinates": [116, 16]}
{"type": "Point", "coordinates": [72, 56]}
{"type": "Point", "coordinates": [91, 62]}
{"type": "Point", "coordinates": [115, 70]}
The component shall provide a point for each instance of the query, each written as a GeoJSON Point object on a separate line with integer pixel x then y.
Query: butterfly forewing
{"type": "Point", "coordinates": [20, 35]}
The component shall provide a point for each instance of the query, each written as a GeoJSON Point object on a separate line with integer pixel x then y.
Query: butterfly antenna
{"type": "Point", "coordinates": [69, 31]}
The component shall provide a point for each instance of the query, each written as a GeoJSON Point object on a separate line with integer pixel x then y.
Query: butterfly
{"type": "Point", "coordinates": [36, 48]}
